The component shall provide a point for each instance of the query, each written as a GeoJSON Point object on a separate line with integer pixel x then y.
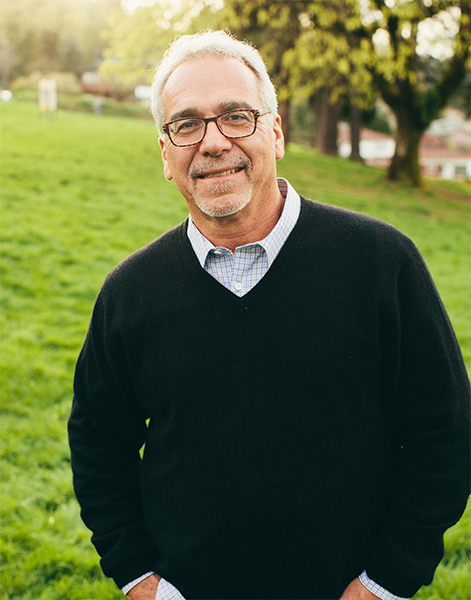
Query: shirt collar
{"type": "Point", "coordinates": [274, 241]}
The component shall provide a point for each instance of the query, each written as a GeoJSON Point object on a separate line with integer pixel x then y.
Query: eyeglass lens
{"type": "Point", "coordinates": [234, 124]}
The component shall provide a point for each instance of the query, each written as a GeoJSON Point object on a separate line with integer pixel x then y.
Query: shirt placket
{"type": "Point", "coordinates": [220, 263]}
{"type": "Point", "coordinates": [245, 258]}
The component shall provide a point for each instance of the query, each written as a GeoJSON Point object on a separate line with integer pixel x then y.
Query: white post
{"type": "Point", "coordinates": [47, 94]}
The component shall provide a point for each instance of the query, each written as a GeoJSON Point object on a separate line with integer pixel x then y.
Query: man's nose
{"type": "Point", "coordinates": [214, 142]}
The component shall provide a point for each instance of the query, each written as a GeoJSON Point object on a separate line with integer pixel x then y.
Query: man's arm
{"type": "Point", "coordinates": [146, 589]}
{"type": "Point", "coordinates": [357, 591]}
{"type": "Point", "coordinates": [106, 467]}
{"type": "Point", "coordinates": [427, 412]}
{"type": "Point", "coordinates": [150, 589]}
{"type": "Point", "coordinates": [107, 428]}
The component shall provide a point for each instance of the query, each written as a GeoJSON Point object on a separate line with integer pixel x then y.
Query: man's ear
{"type": "Point", "coordinates": [279, 138]}
{"type": "Point", "coordinates": [167, 172]}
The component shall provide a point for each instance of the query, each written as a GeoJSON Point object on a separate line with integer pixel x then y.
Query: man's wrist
{"type": "Point", "coordinates": [128, 587]}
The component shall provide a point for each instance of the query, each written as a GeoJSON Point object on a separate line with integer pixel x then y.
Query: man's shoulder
{"type": "Point", "coordinates": [150, 260]}
{"type": "Point", "coordinates": [335, 216]}
{"type": "Point", "coordinates": [351, 227]}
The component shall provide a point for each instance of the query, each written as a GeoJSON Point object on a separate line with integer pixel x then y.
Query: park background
{"type": "Point", "coordinates": [83, 187]}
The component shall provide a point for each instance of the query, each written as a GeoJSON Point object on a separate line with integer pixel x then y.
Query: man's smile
{"type": "Point", "coordinates": [220, 173]}
{"type": "Point", "coordinates": [214, 168]}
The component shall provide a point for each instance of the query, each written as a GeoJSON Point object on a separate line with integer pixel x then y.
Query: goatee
{"type": "Point", "coordinates": [212, 202]}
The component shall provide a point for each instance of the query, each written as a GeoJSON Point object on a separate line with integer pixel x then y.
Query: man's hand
{"type": "Point", "coordinates": [146, 589]}
{"type": "Point", "coordinates": [357, 591]}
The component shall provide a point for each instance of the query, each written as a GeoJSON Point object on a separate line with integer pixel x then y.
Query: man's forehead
{"type": "Point", "coordinates": [210, 83]}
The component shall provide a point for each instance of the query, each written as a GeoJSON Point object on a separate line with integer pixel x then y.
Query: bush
{"type": "Point", "coordinates": [67, 83]}
{"type": "Point", "coordinates": [109, 106]}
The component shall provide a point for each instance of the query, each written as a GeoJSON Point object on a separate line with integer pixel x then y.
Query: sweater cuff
{"type": "Point", "coordinates": [376, 589]}
{"type": "Point", "coordinates": [405, 556]}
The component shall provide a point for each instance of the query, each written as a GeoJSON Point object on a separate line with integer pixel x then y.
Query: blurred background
{"type": "Point", "coordinates": [357, 78]}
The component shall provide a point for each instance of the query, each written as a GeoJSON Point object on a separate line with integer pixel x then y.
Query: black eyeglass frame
{"type": "Point", "coordinates": [256, 114]}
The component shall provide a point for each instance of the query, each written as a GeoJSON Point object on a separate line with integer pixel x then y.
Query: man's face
{"type": "Point", "coordinates": [219, 176]}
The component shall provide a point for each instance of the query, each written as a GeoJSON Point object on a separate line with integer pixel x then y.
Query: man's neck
{"type": "Point", "coordinates": [244, 227]}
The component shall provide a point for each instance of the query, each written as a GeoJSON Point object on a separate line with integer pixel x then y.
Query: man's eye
{"type": "Point", "coordinates": [186, 126]}
{"type": "Point", "coordinates": [237, 117]}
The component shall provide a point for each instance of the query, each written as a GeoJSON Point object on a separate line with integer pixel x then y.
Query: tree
{"type": "Point", "coordinates": [274, 27]}
{"type": "Point", "coordinates": [137, 39]}
{"type": "Point", "coordinates": [328, 64]}
{"type": "Point", "coordinates": [70, 53]}
{"type": "Point", "coordinates": [54, 35]}
{"type": "Point", "coordinates": [461, 98]}
{"type": "Point", "coordinates": [395, 35]}
{"type": "Point", "coordinates": [134, 44]}
{"type": "Point", "coordinates": [385, 38]}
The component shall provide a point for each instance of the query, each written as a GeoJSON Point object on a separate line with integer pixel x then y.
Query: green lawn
{"type": "Point", "coordinates": [80, 193]}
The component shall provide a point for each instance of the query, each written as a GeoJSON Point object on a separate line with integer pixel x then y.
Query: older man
{"type": "Point", "coordinates": [288, 365]}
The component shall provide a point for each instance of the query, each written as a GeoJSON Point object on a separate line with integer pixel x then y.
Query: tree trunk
{"type": "Point", "coordinates": [327, 119]}
{"type": "Point", "coordinates": [355, 127]}
{"type": "Point", "coordinates": [405, 166]}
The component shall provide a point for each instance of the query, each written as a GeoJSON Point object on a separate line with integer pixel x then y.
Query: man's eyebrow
{"type": "Point", "coordinates": [223, 107]}
{"type": "Point", "coordinates": [186, 112]}
{"type": "Point", "coordinates": [234, 105]}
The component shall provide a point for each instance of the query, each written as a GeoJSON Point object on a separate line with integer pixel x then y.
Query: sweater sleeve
{"type": "Point", "coordinates": [428, 413]}
{"type": "Point", "coordinates": [106, 431]}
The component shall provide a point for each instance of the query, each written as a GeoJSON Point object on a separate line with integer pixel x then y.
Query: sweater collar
{"type": "Point", "coordinates": [274, 241]}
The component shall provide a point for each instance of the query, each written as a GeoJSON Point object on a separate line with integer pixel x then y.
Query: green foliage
{"type": "Point", "coordinates": [394, 33]}
{"type": "Point", "coordinates": [79, 194]}
{"type": "Point", "coordinates": [274, 27]}
{"type": "Point", "coordinates": [135, 43]}
{"type": "Point", "coordinates": [110, 106]}
{"type": "Point", "coordinates": [26, 89]}
{"type": "Point", "coordinates": [328, 55]}
{"type": "Point", "coordinates": [338, 49]}
{"type": "Point", "coordinates": [136, 40]}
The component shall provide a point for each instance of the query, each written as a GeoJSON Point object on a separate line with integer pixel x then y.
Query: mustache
{"type": "Point", "coordinates": [219, 165]}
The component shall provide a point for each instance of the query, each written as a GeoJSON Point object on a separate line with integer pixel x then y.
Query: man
{"type": "Point", "coordinates": [288, 365]}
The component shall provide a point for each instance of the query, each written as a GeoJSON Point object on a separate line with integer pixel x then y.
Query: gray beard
{"type": "Point", "coordinates": [210, 206]}
{"type": "Point", "coordinates": [211, 209]}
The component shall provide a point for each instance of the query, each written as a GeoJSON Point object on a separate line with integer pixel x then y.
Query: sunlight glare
{"type": "Point", "coordinates": [435, 36]}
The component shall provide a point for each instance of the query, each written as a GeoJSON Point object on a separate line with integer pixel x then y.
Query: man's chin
{"type": "Point", "coordinates": [224, 206]}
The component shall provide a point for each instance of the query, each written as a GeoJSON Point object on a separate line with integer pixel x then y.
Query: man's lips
{"type": "Point", "coordinates": [217, 168]}
{"type": "Point", "coordinates": [219, 173]}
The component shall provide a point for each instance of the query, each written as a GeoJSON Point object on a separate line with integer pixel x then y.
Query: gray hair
{"type": "Point", "coordinates": [210, 43]}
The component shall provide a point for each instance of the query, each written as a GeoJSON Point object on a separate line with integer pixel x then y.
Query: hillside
{"type": "Point", "coordinates": [80, 193]}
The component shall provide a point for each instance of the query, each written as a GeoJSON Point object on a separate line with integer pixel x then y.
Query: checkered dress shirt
{"type": "Point", "coordinates": [239, 273]}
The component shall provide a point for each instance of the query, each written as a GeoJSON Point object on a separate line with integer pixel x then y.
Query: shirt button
{"type": "Point", "coordinates": [238, 286]}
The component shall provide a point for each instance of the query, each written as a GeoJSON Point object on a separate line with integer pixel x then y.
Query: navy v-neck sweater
{"type": "Point", "coordinates": [313, 428]}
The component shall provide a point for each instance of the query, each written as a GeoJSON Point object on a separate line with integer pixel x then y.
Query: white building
{"type": "Point", "coordinates": [376, 148]}
{"type": "Point", "coordinates": [445, 150]}
{"type": "Point", "coordinates": [443, 162]}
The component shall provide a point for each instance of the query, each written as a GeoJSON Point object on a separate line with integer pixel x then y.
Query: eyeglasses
{"type": "Point", "coordinates": [233, 124]}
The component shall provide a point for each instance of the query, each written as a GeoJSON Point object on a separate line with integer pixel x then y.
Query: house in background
{"type": "Point", "coordinates": [376, 149]}
{"type": "Point", "coordinates": [440, 157]}
{"type": "Point", "coordinates": [445, 149]}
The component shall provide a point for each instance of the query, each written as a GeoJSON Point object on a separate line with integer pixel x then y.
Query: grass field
{"type": "Point", "coordinates": [80, 193]}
